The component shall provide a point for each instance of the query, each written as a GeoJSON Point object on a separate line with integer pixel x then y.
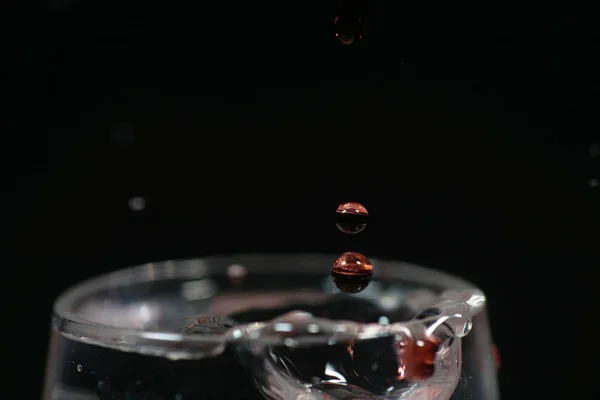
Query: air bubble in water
{"type": "Point", "coordinates": [351, 217]}
{"type": "Point", "coordinates": [352, 272]}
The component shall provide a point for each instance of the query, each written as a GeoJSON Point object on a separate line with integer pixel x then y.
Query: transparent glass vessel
{"type": "Point", "coordinates": [270, 326]}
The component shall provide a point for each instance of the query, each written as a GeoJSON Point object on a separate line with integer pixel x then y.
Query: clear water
{"type": "Point", "coordinates": [301, 346]}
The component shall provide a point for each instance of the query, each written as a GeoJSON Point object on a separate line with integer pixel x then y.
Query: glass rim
{"type": "Point", "coordinates": [457, 292]}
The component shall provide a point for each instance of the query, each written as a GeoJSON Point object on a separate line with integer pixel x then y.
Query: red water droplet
{"type": "Point", "coordinates": [351, 217]}
{"type": "Point", "coordinates": [352, 263]}
{"type": "Point", "coordinates": [351, 272]}
{"type": "Point", "coordinates": [351, 283]}
{"type": "Point", "coordinates": [349, 24]}
{"type": "Point", "coordinates": [353, 208]}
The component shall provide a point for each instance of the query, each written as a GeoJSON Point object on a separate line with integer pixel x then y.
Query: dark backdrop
{"type": "Point", "coordinates": [467, 130]}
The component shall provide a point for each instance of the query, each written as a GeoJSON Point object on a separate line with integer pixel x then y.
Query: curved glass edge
{"type": "Point", "coordinates": [458, 304]}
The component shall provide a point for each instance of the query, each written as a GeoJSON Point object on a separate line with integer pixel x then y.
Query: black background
{"type": "Point", "coordinates": [465, 129]}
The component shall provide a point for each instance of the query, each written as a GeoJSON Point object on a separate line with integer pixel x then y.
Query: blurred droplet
{"type": "Point", "coordinates": [236, 272]}
{"type": "Point", "coordinates": [123, 134]}
{"type": "Point", "coordinates": [199, 289]}
{"type": "Point", "coordinates": [593, 183]}
{"type": "Point", "coordinates": [349, 24]}
{"type": "Point", "coordinates": [137, 203]}
{"type": "Point", "coordinates": [595, 150]}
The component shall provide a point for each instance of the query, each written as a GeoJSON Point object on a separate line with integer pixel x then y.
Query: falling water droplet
{"type": "Point", "coordinates": [236, 273]}
{"type": "Point", "coordinates": [137, 203]}
{"type": "Point", "coordinates": [352, 272]}
{"type": "Point", "coordinates": [351, 217]}
{"type": "Point", "coordinates": [349, 23]}
{"type": "Point", "coordinates": [352, 263]}
{"type": "Point", "coordinates": [79, 367]}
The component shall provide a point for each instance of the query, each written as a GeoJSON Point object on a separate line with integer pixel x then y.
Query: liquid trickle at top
{"type": "Point", "coordinates": [351, 272]}
{"type": "Point", "coordinates": [351, 217]}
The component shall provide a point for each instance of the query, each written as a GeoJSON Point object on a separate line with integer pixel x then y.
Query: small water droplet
{"type": "Point", "coordinates": [352, 272]}
{"type": "Point", "coordinates": [79, 367]}
{"type": "Point", "coordinates": [178, 396]}
{"type": "Point", "coordinates": [351, 284]}
{"type": "Point", "coordinates": [593, 183]}
{"type": "Point", "coordinates": [137, 203]}
{"type": "Point", "coordinates": [351, 263]}
{"type": "Point", "coordinates": [467, 327]}
{"type": "Point", "coordinates": [349, 24]}
{"type": "Point", "coordinates": [351, 217]}
{"type": "Point", "coordinates": [236, 272]}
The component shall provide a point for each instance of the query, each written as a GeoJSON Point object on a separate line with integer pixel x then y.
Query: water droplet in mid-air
{"type": "Point", "coordinates": [236, 273]}
{"type": "Point", "coordinates": [351, 283]}
{"type": "Point", "coordinates": [351, 217]}
{"type": "Point", "coordinates": [352, 263]}
{"type": "Point", "coordinates": [137, 203]}
{"type": "Point", "coordinates": [349, 23]}
{"type": "Point", "coordinates": [79, 367]}
{"type": "Point", "coordinates": [352, 272]}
